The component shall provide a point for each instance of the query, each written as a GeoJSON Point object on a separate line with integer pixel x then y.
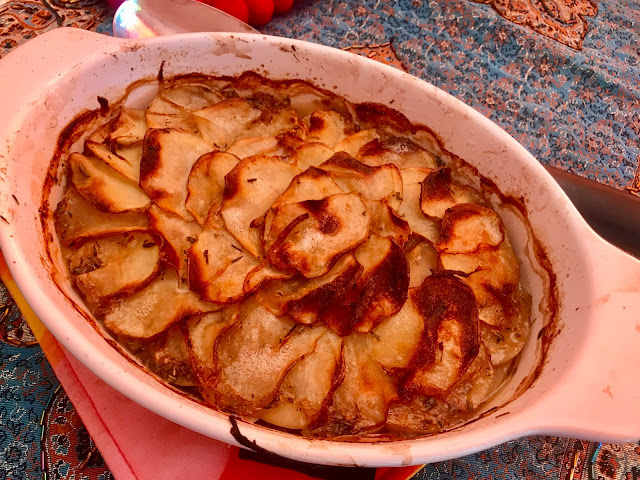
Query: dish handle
{"type": "Point", "coordinates": [598, 396]}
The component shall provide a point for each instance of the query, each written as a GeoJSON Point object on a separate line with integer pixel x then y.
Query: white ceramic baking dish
{"type": "Point", "coordinates": [578, 378]}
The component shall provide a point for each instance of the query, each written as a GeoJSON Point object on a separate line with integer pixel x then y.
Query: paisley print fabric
{"type": "Point", "coordinates": [561, 76]}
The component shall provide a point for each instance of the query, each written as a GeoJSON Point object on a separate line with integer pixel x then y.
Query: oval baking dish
{"type": "Point", "coordinates": [575, 375]}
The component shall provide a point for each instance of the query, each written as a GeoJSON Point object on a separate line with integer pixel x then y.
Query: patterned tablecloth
{"type": "Point", "coordinates": [561, 76]}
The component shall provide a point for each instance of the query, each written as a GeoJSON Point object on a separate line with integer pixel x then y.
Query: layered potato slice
{"type": "Point", "coordinates": [439, 192]}
{"type": "Point", "coordinates": [129, 127]}
{"type": "Point", "coordinates": [218, 265]}
{"type": "Point", "coordinates": [148, 312]}
{"type": "Point", "coordinates": [473, 242]}
{"type": "Point", "coordinates": [77, 219]}
{"type": "Point", "coordinates": [399, 151]}
{"type": "Point", "coordinates": [310, 155]}
{"type": "Point", "coordinates": [327, 229]}
{"type": "Point", "coordinates": [382, 183]}
{"type": "Point", "coordinates": [206, 184]}
{"type": "Point", "coordinates": [329, 127]}
{"type": "Point", "coordinates": [178, 234]}
{"type": "Point", "coordinates": [255, 354]}
{"type": "Point", "coordinates": [410, 210]}
{"type": "Point", "coordinates": [305, 391]}
{"type": "Point", "coordinates": [108, 190]}
{"type": "Point", "coordinates": [250, 189]}
{"type": "Point", "coordinates": [115, 264]}
{"type": "Point", "coordinates": [236, 118]}
{"type": "Point", "coordinates": [167, 158]}
{"type": "Point", "coordinates": [123, 165]}
{"type": "Point", "coordinates": [173, 106]}
{"type": "Point", "coordinates": [167, 356]}
{"type": "Point", "coordinates": [249, 147]}
{"type": "Point", "coordinates": [353, 143]}
{"type": "Point", "coordinates": [450, 338]}
{"type": "Point", "coordinates": [423, 259]}
{"type": "Point", "coordinates": [361, 401]}
{"type": "Point", "coordinates": [385, 222]}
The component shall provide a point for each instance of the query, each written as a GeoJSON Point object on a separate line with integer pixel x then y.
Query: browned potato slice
{"type": "Point", "coordinates": [304, 390]}
{"type": "Point", "coordinates": [380, 291]}
{"type": "Point", "coordinates": [114, 264]}
{"type": "Point", "coordinates": [191, 96]}
{"type": "Point", "coordinates": [382, 183]}
{"type": "Point", "coordinates": [362, 399]}
{"type": "Point", "coordinates": [334, 225]}
{"type": "Point", "coordinates": [396, 339]}
{"type": "Point", "coordinates": [262, 274]}
{"type": "Point", "coordinates": [353, 143]}
{"type": "Point", "coordinates": [202, 333]}
{"type": "Point", "coordinates": [205, 187]}
{"type": "Point", "coordinates": [237, 118]}
{"type": "Point", "coordinates": [310, 155]}
{"type": "Point", "coordinates": [255, 354]}
{"type": "Point", "coordinates": [329, 127]}
{"type": "Point", "coordinates": [450, 337]}
{"type": "Point", "coordinates": [168, 357]}
{"type": "Point", "coordinates": [119, 163]}
{"type": "Point", "coordinates": [504, 343]}
{"type": "Point", "coordinates": [386, 223]}
{"type": "Point", "coordinates": [129, 127]}
{"type": "Point", "coordinates": [251, 187]}
{"type": "Point", "coordinates": [218, 266]}
{"type": "Point", "coordinates": [438, 193]}
{"type": "Point", "coordinates": [397, 150]}
{"type": "Point", "coordinates": [133, 155]}
{"type": "Point", "coordinates": [475, 385]}
{"type": "Point", "coordinates": [167, 158]}
{"type": "Point", "coordinates": [486, 257]}
{"type": "Point", "coordinates": [312, 184]}
{"type": "Point", "coordinates": [155, 308]}
{"type": "Point", "coordinates": [409, 209]}
{"type": "Point", "coordinates": [305, 299]}
{"type": "Point", "coordinates": [469, 229]}
{"type": "Point", "coordinates": [248, 147]}
{"type": "Point", "coordinates": [76, 219]}
{"type": "Point", "coordinates": [178, 235]}
{"type": "Point", "coordinates": [422, 259]}
{"type": "Point", "coordinates": [104, 187]}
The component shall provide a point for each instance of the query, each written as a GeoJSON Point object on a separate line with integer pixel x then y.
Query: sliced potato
{"type": "Point", "coordinates": [382, 183]}
{"type": "Point", "coordinates": [167, 158]}
{"type": "Point", "coordinates": [148, 312]}
{"type": "Point", "coordinates": [329, 127]}
{"type": "Point", "coordinates": [422, 259]}
{"type": "Point", "coordinates": [255, 354]}
{"type": "Point", "coordinates": [262, 274]}
{"type": "Point", "coordinates": [133, 156]}
{"type": "Point", "coordinates": [439, 192]}
{"type": "Point", "coordinates": [361, 401]}
{"type": "Point", "coordinates": [469, 228]}
{"type": "Point", "coordinates": [168, 357]}
{"type": "Point", "coordinates": [205, 187]}
{"type": "Point", "coordinates": [396, 339]}
{"type": "Point", "coordinates": [450, 337]}
{"type": "Point", "coordinates": [310, 155]}
{"type": "Point", "coordinates": [409, 209]}
{"type": "Point", "coordinates": [114, 264]}
{"type": "Point", "coordinates": [77, 219]}
{"type": "Point", "coordinates": [353, 143]}
{"type": "Point", "coordinates": [251, 187]}
{"type": "Point", "coordinates": [178, 235]}
{"type": "Point", "coordinates": [202, 333]}
{"type": "Point", "coordinates": [218, 265]}
{"type": "Point", "coordinates": [385, 222]}
{"type": "Point", "coordinates": [306, 387]}
{"type": "Point", "coordinates": [379, 292]}
{"type": "Point", "coordinates": [334, 225]}
{"type": "Point", "coordinates": [475, 385]}
{"type": "Point", "coordinates": [504, 343]}
{"type": "Point", "coordinates": [402, 152]}
{"type": "Point", "coordinates": [312, 184]}
{"type": "Point", "coordinates": [129, 127]}
{"type": "Point", "coordinates": [118, 163]}
{"type": "Point", "coordinates": [104, 187]}
{"type": "Point", "coordinates": [248, 147]}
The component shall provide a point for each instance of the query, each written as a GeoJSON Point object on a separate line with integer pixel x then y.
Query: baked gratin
{"type": "Point", "coordinates": [293, 259]}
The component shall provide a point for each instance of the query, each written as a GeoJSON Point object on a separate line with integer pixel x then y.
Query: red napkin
{"type": "Point", "coordinates": [138, 444]}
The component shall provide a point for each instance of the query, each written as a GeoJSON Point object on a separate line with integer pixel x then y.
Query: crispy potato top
{"type": "Point", "coordinates": [294, 258]}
